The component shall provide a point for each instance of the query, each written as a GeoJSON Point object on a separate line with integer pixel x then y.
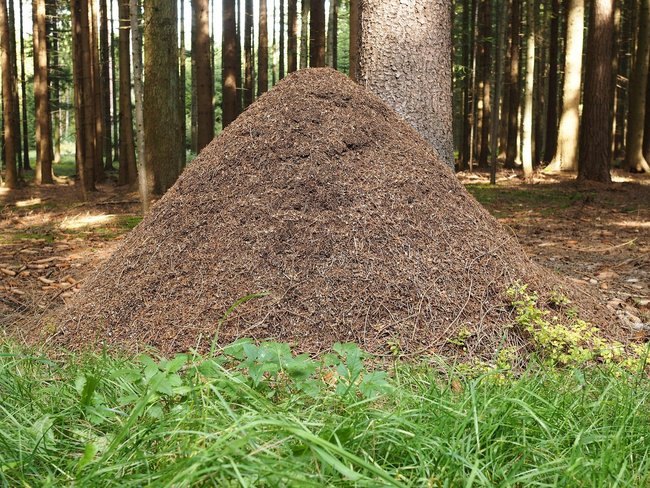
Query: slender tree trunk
{"type": "Point", "coordinates": [128, 172]}
{"type": "Point", "coordinates": [114, 81]}
{"type": "Point", "coordinates": [634, 158]}
{"type": "Point", "coordinates": [23, 92]}
{"type": "Point", "coordinates": [274, 49]}
{"type": "Point", "coordinates": [201, 56]}
{"type": "Point", "coordinates": [596, 128]}
{"type": "Point", "coordinates": [483, 84]}
{"type": "Point", "coordinates": [15, 102]}
{"type": "Point", "coordinates": [553, 83]}
{"type": "Point", "coordinates": [467, 93]}
{"type": "Point", "coordinates": [304, 31]}
{"type": "Point", "coordinates": [98, 89]}
{"type": "Point", "coordinates": [332, 35]}
{"type": "Point", "coordinates": [54, 68]}
{"type": "Point", "coordinates": [566, 154]}
{"type": "Point", "coordinates": [41, 97]}
{"type": "Point", "coordinates": [513, 85]}
{"type": "Point", "coordinates": [138, 91]}
{"type": "Point", "coordinates": [646, 130]}
{"type": "Point", "coordinates": [626, 33]}
{"type": "Point", "coordinates": [282, 40]}
{"type": "Point", "coordinates": [317, 34]}
{"type": "Point", "coordinates": [106, 92]}
{"type": "Point", "coordinates": [263, 51]}
{"type": "Point", "coordinates": [229, 63]}
{"type": "Point", "coordinates": [182, 80]}
{"type": "Point", "coordinates": [239, 63]}
{"type": "Point", "coordinates": [499, 12]}
{"type": "Point", "coordinates": [527, 133]}
{"type": "Point", "coordinates": [292, 36]}
{"type": "Point", "coordinates": [8, 82]}
{"type": "Point", "coordinates": [249, 82]}
{"type": "Point", "coordinates": [411, 69]}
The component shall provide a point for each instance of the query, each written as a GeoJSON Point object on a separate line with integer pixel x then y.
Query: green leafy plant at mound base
{"type": "Point", "coordinates": [564, 339]}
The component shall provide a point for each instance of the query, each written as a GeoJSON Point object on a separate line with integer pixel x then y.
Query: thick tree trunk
{"type": "Point", "coordinates": [41, 97]}
{"type": "Point", "coordinates": [332, 35]}
{"type": "Point", "coordinates": [513, 85]}
{"type": "Point", "coordinates": [263, 50]}
{"type": "Point", "coordinates": [249, 78]}
{"type": "Point", "coordinates": [138, 91]}
{"type": "Point", "coordinates": [240, 87]}
{"type": "Point", "coordinates": [201, 56]}
{"type": "Point", "coordinates": [566, 154]}
{"type": "Point", "coordinates": [304, 32]}
{"type": "Point", "coordinates": [292, 37]}
{"type": "Point", "coordinates": [104, 59]}
{"type": "Point", "coordinates": [527, 132]}
{"type": "Point", "coordinates": [128, 173]}
{"type": "Point", "coordinates": [8, 82]}
{"type": "Point", "coordinates": [553, 83]}
{"type": "Point", "coordinates": [229, 64]}
{"type": "Point", "coordinates": [408, 64]}
{"type": "Point", "coordinates": [646, 125]}
{"type": "Point", "coordinates": [634, 158]}
{"type": "Point", "coordinates": [317, 34]}
{"type": "Point", "coordinates": [596, 128]}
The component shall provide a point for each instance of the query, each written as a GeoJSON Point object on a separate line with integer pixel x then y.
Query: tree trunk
{"type": "Point", "coordinates": [8, 82]}
{"type": "Point", "coordinates": [499, 12]}
{"type": "Point", "coordinates": [104, 59]}
{"type": "Point", "coordinates": [527, 132]}
{"type": "Point", "coordinates": [483, 81]}
{"type": "Point", "coordinates": [468, 17]}
{"type": "Point", "coordinates": [553, 83]}
{"type": "Point", "coordinates": [182, 80]}
{"type": "Point", "coordinates": [239, 65]}
{"type": "Point", "coordinates": [634, 158]}
{"type": "Point", "coordinates": [304, 32]}
{"type": "Point", "coordinates": [114, 81]}
{"type": "Point", "coordinates": [23, 92]}
{"type": "Point", "coordinates": [317, 34]}
{"type": "Point", "coordinates": [646, 130]}
{"type": "Point", "coordinates": [263, 50]}
{"type": "Point", "coordinates": [138, 90]}
{"type": "Point", "coordinates": [201, 57]}
{"type": "Point", "coordinates": [15, 102]}
{"type": "Point", "coordinates": [513, 86]}
{"type": "Point", "coordinates": [332, 35]}
{"type": "Point", "coordinates": [566, 154]}
{"type": "Point", "coordinates": [292, 37]}
{"type": "Point", "coordinates": [229, 64]}
{"type": "Point", "coordinates": [41, 97]}
{"type": "Point", "coordinates": [98, 89]}
{"type": "Point", "coordinates": [249, 82]}
{"type": "Point", "coordinates": [596, 129]}
{"type": "Point", "coordinates": [128, 173]}
{"type": "Point", "coordinates": [408, 64]}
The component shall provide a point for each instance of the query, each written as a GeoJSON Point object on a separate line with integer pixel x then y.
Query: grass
{"type": "Point", "coordinates": [260, 416]}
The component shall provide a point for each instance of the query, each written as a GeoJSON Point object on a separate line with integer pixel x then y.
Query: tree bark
{"type": "Point", "coordinates": [128, 173]}
{"type": "Point", "coordinates": [467, 92]}
{"type": "Point", "coordinates": [483, 80]}
{"type": "Point", "coordinates": [249, 81]}
{"type": "Point", "coordinates": [317, 34]}
{"type": "Point", "coordinates": [332, 35]}
{"type": "Point", "coordinates": [304, 32]}
{"type": "Point", "coordinates": [634, 158]}
{"type": "Point", "coordinates": [513, 85]}
{"type": "Point", "coordinates": [596, 128]}
{"type": "Point", "coordinates": [44, 148]}
{"type": "Point", "coordinates": [566, 153]}
{"type": "Point", "coordinates": [8, 82]}
{"type": "Point", "coordinates": [355, 38]}
{"type": "Point", "coordinates": [201, 56]}
{"type": "Point", "coordinates": [98, 89]}
{"type": "Point", "coordinates": [229, 64]}
{"type": "Point", "coordinates": [527, 132]}
{"type": "Point", "coordinates": [292, 37]}
{"type": "Point", "coordinates": [104, 59]}
{"type": "Point", "coordinates": [23, 92]}
{"type": "Point", "coordinates": [138, 91]}
{"type": "Point", "coordinates": [408, 64]}
{"type": "Point", "coordinates": [553, 83]}
{"type": "Point", "coordinates": [499, 12]}
{"type": "Point", "coordinates": [182, 81]}
{"type": "Point", "coordinates": [263, 50]}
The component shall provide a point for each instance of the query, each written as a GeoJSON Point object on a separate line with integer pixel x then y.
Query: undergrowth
{"type": "Point", "coordinates": [258, 415]}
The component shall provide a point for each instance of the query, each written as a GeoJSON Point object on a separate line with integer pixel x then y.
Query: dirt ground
{"type": "Point", "coordinates": [599, 235]}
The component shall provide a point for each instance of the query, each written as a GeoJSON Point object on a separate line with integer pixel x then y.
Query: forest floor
{"type": "Point", "coordinates": [597, 235]}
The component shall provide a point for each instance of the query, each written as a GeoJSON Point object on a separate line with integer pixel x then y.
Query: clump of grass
{"type": "Point", "coordinates": [258, 415]}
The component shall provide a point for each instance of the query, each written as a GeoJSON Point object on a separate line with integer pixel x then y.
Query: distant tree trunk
{"type": "Point", "coordinates": [513, 85]}
{"type": "Point", "coordinates": [282, 40]}
{"type": "Point", "coordinates": [98, 89]}
{"type": "Point", "coordinates": [114, 81]}
{"type": "Point", "coordinates": [182, 80]}
{"type": "Point", "coordinates": [499, 12]}
{"type": "Point", "coordinates": [466, 131]}
{"type": "Point", "coordinates": [249, 82]}
{"type": "Point", "coordinates": [83, 94]}
{"type": "Point", "coordinates": [634, 158]}
{"type": "Point", "coordinates": [292, 37]}
{"type": "Point", "coordinates": [408, 65]}
{"type": "Point", "coordinates": [624, 67]}
{"type": "Point", "coordinates": [239, 64]}
{"type": "Point", "coordinates": [15, 102]}
{"type": "Point", "coordinates": [229, 63]}
{"type": "Point", "coordinates": [596, 128]}
{"type": "Point", "coordinates": [553, 83]}
{"type": "Point", "coordinates": [8, 82]}
{"type": "Point", "coordinates": [104, 59]}
{"type": "Point", "coordinates": [138, 91]}
{"type": "Point", "coordinates": [332, 35]}
{"type": "Point", "coordinates": [317, 34]}
{"type": "Point", "coordinates": [128, 173]}
{"type": "Point", "coordinates": [263, 51]}
{"type": "Point", "coordinates": [483, 80]}
{"type": "Point", "coordinates": [274, 49]}
{"type": "Point", "coordinates": [566, 154]}
{"type": "Point", "coordinates": [646, 130]}
{"type": "Point", "coordinates": [527, 132]}
{"type": "Point", "coordinates": [162, 147]}
{"type": "Point", "coordinates": [201, 57]}
{"type": "Point", "coordinates": [23, 92]}
{"type": "Point", "coordinates": [355, 38]}
{"type": "Point", "coordinates": [304, 32]}
{"type": "Point", "coordinates": [41, 97]}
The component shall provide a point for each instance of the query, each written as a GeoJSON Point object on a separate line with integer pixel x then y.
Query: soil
{"type": "Point", "coordinates": [321, 196]}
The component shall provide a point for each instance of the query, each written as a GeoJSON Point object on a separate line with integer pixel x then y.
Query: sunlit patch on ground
{"type": "Point", "coordinates": [86, 220]}
{"type": "Point", "coordinates": [29, 202]}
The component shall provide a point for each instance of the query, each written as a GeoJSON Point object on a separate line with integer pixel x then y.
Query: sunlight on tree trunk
{"type": "Point", "coordinates": [527, 132]}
